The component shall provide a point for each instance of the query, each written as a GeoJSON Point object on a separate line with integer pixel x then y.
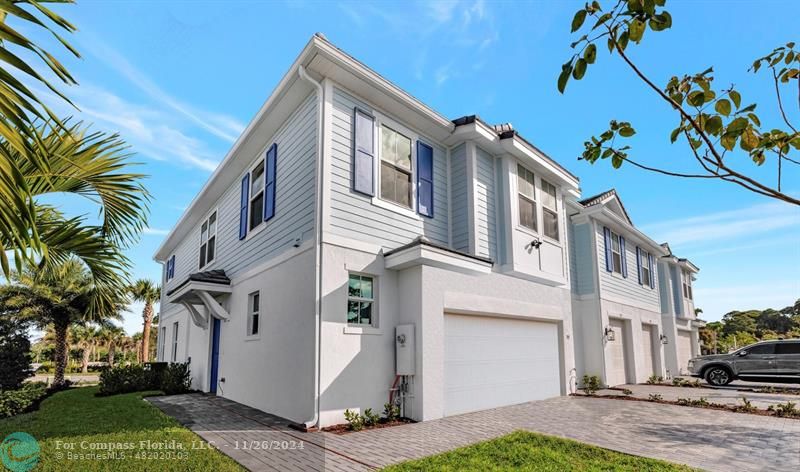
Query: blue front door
{"type": "Point", "coordinates": [215, 326]}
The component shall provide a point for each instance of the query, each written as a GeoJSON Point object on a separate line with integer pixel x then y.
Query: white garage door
{"type": "Point", "coordinates": [684, 349]}
{"type": "Point", "coordinates": [491, 362]}
{"type": "Point", "coordinates": [615, 350]}
{"type": "Point", "coordinates": [647, 349]}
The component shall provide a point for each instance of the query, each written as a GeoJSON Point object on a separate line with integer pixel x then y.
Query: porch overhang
{"type": "Point", "coordinates": [198, 294]}
{"type": "Point", "coordinates": [423, 252]}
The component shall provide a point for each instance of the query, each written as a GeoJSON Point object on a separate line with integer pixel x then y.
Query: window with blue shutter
{"type": "Point", "coordinates": [624, 257]}
{"type": "Point", "coordinates": [269, 182]}
{"type": "Point", "coordinates": [607, 238]}
{"type": "Point", "coordinates": [170, 268]}
{"type": "Point", "coordinates": [424, 179]}
{"type": "Point", "coordinates": [652, 271]}
{"type": "Point", "coordinates": [639, 264]}
{"type": "Point", "coordinates": [243, 206]}
{"type": "Point", "coordinates": [363, 153]}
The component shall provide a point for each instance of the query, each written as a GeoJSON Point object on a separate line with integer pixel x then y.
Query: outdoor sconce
{"type": "Point", "coordinates": [610, 335]}
{"type": "Point", "coordinates": [536, 243]}
{"type": "Point", "coordinates": [664, 339]}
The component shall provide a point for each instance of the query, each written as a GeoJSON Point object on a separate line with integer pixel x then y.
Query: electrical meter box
{"type": "Point", "coordinates": [404, 349]}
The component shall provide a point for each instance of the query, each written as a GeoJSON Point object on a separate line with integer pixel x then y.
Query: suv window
{"type": "Point", "coordinates": [761, 349]}
{"type": "Point", "coordinates": [787, 348]}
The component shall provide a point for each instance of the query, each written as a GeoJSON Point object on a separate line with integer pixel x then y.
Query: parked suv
{"type": "Point", "coordinates": [772, 361]}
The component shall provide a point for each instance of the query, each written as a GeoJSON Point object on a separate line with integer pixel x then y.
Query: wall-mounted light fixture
{"type": "Point", "coordinates": [664, 339]}
{"type": "Point", "coordinates": [609, 333]}
{"type": "Point", "coordinates": [535, 243]}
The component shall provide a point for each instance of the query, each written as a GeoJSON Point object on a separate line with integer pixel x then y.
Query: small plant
{"type": "Point", "coordinates": [591, 384]}
{"type": "Point", "coordinates": [746, 406]}
{"type": "Point", "coordinates": [655, 379]}
{"type": "Point", "coordinates": [354, 420]}
{"type": "Point", "coordinates": [684, 401]}
{"type": "Point", "coordinates": [788, 409]}
{"type": "Point", "coordinates": [655, 397]}
{"type": "Point", "coordinates": [370, 418]}
{"type": "Point", "coordinates": [700, 402]}
{"type": "Point", "coordinates": [391, 412]}
{"type": "Point", "coordinates": [696, 383]}
{"type": "Point", "coordinates": [677, 381]}
{"type": "Point", "coordinates": [627, 392]}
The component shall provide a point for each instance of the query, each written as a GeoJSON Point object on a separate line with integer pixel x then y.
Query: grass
{"type": "Point", "coordinates": [74, 421]}
{"type": "Point", "coordinates": [527, 451]}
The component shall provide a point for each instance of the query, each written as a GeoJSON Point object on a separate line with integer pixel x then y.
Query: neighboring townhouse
{"type": "Point", "coordinates": [678, 317]}
{"type": "Point", "coordinates": [616, 307]}
{"type": "Point", "coordinates": [356, 246]}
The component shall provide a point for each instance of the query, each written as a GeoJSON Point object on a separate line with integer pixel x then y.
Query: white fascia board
{"type": "Point", "coordinates": [604, 215]}
{"type": "Point", "coordinates": [519, 149]}
{"type": "Point", "coordinates": [421, 254]}
{"type": "Point", "coordinates": [186, 290]}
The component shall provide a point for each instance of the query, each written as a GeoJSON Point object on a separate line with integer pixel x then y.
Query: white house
{"type": "Point", "coordinates": [355, 245]}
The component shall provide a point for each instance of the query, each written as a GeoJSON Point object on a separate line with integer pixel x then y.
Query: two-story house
{"type": "Point", "coordinates": [678, 317]}
{"type": "Point", "coordinates": [616, 301]}
{"type": "Point", "coordinates": [355, 246]}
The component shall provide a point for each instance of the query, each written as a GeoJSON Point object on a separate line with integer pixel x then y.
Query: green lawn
{"type": "Point", "coordinates": [535, 452]}
{"type": "Point", "coordinates": [74, 421]}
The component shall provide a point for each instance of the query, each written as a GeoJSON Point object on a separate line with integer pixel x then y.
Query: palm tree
{"type": "Point", "coordinates": [85, 338]}
{"type": "Point", "coordinates": [60, 295]}
{"type": "Point", "coordinates": [137, 344]}
{"type": "Point", "coordinates": [144, 290]}
{"type": "Point", "coordinates": [113, 337]}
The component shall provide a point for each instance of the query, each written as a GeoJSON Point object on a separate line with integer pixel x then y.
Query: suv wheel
{"type": "Point", "coordinates": [718, 376]}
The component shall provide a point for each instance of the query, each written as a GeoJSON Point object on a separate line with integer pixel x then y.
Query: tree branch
{"type": "Point", "coordinates": [780, 102]}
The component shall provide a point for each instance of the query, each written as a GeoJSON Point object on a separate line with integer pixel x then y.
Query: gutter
{"type": "Point", "coordinates": [314, 421]}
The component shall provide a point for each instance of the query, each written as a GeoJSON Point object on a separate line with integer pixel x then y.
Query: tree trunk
{"type": "Point", "coordinates": [148, 320]}
{"type": "Point", "coordinates": [87, 352]}
{"type": "Point", "coordinates": [60, 354]}
{"type": "Point", "coordinates": [111, 349]}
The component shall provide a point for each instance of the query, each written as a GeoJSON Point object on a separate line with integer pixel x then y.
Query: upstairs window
{"type": "Point", "coordinates": [687, 285]}
{"type": "Point", "coordinates": [616, 253]}
{"type": "Point", "coordinates": [257, 195]}
{"type": "Point", "coordinates": [253, 304]}
{"type": "Point", "coordinates": [647, 271]}
{"type": "Point", "coordinates": [526, 189]}
{"type": "Point", "coordinates": [549, 210]}
{"type": "Point", "coordinates": [396, 167]}
{"type": "Point", "coordinates": [360, 300]}
{"type": "Point", "coordinates": [208, 240]}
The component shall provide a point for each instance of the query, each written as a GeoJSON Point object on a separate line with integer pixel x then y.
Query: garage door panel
{"type": "Point", "coordinates": [647, 349]}
{"type": "Point", "coordinates": [491, 362]}
{"type": "Point", "coordinates": [615, 350]}
{"type": "Point", "coordinates": [684, 350]}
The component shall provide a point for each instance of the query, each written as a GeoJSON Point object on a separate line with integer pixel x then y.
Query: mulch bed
{"type": "Point", "coordinates": [710, 406]}
{"type": "Point", "coordinates": [345, 428]}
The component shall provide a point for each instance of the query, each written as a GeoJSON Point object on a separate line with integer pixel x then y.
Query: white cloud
{"type": "Point", "coordinates": [442, 74]}
{"type": "Point", "coordinates": [441, 10]}
{"type": "Point", "coordinates": [155, 231]}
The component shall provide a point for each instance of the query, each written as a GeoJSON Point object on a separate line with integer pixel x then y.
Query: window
{"type": "Point", "coordinates": [360, 300]}
{"type": "Point", "coordinates": [174, 341]}
{"type": "Point", "coordinates": [687, 285]}
{"type": "Point", "coordinates": [170, 268]}
{"type": "Point", "coordinates": [647, 271]}
{"type": "Point", "coordinates": [257, 195]}
{"type": "Point", "coordinates": [162, 339]}
{"type": "Point", "coordinates": [527, 198]}
{"type": "Point", "coordinates": [616, 253]}
{"type": "Point", "coordinates": [787, 348]}
{"type": "Point", "coordinates": [208, 240]}
{"type": "Point", "coordinates": [549, 210]}
{"type": "Point", "coordinates": [768, 349]}
{"type": "Point", "coordinates": [253, 304]}
{"type": "Point", "coordinates": [395, 167]}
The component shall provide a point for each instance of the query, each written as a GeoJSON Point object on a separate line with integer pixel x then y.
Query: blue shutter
{"type": "Point", "coordinates": [171, 267]}
{"type": "Point", "coordinates": [424, 179]}
{"type": "Point", "coordinates": [639, 264]}
{"type": "Point", "coordinates": [607, 237]}
{"type": "Point", "coordinates": [623, 256]}
{"type": "Point", "coordinates": [269, 182]}
{"type": "Point", "coordinates": [243, 206]}
{"type": "Point", "coordinates": [652, 271]}
{"type": "Point", "coordinates": [363, 153]}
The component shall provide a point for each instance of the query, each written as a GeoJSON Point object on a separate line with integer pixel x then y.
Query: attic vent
{"type": "Point", "coordinates": [503, 128]}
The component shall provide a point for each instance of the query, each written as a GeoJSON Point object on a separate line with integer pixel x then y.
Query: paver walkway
{"type": "Point", "coordinates": [713, 395]}
{"type": "Point", "coordinates": [708, 439]}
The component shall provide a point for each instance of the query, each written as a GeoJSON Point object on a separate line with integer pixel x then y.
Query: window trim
{"type": "Point", "coordinates": [644, 263]}
{"type": "Point", "coordinates": [374, 325]}
{"type": "Point", "coordinates": [554, 211]}
{"type": "Point", "coordinates": [686, 278]}
{"type": "Point", "coordinates": [207, 263]}
{"type": "Point", "coordinates": [618, 252]}
{"type": "Point", "coordinates": [379, 121]}
{"type": "Point", "coordinates": [170, 270]}
{"type": "Point", "coordinates": [251, 196]}
{"type": "Point", "coordinates": [249, 334]}
{"type": "Point", "coordinates": [162, 343]}
{"type": "Point", "coordinates": [175, 341]}
{"type": "Point", "coordinates": [526, 197]}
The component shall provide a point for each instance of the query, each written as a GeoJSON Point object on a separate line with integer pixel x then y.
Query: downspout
{"type": "Point", "coordinates": [314, 421]}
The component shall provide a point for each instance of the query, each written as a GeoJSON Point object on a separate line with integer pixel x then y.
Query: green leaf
{"type": "Point", "coordinates": [758, 157]}
{"type": "Point", "coordinates": [696, 98]}
{"type": "Point", "coordinates": [736, 97]}
{"type": "Point", "coordinates": [636, 30]}
{"type": "Point", "coordinates": [748, 108]}
{"type": "Point", "coordinates": [749, 140]}
{"type": "Point", "coordinates": [563, 78]}
{"type": "Point", "coordinates": [723, 106]}
{"type": "Point", "coordinates": [675, 133]}
{"type": "Point", "coordinates": [677, 97]}
{"type": "Point", "coordinates": [603, 18]}
{"type": "Point", "coordinates": [578, 20]}
{"type": "Point", "coordinates": [616, 161]}
{"type": "Point", "coordinates": [661, 21]}
{"type": "Point", "coordinates": [737, 126]}
{"type": "Point", "coordinates": [713, 125]}
{"type": "Point", "coordinates": [590, 54]}
{"type": "Point", "coordinates": [728, 142]}
{"type": "Point", "coordinates": [623, 40]}
{"type": "Point", "coordinates": [580, 69]}
{"type": "Point", "coordinates": [626, 132]}
{"type": "Point", "coordinates": [754, 119]}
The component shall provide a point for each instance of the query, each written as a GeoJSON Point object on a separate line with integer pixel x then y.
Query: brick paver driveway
{"type": "Point", "coordinates": [708, 439]}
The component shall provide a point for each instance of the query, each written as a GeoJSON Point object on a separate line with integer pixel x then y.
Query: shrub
{"type": "Point", "coordinates": [684, 401]}
{"type": "Point", "coordinates": [700, 402]}
{"type": "Point", "coordinates": [14, 402]}
{"type": "Point", "coordinates": [125, 379]}
{"type": "Point", "coordinates": [391, 412]}
{"type": "Point", "coordinates": [784, 409]}
{"type": "Point", "coordinates": [354, 420]}
{"type": "Point", "coordinates": [370, 418]}
{"type": "Point", "coordinates": [15, 351]}
{"type": "Point", "coordinates": [176, 378]}
{"type": "Point", "coordinates": [655, 379]}
{"type": "Point", "coordinates": [655, 397]}
{"type": "Point", "coordinates": [591, 384]}
{"type": "Point", "coordinates": [746, 407]}
{"type": "Point", "coordinates": [627, 392]}
{"type": "Point", "coordinates": [677, 381]}
{"type": "Point", "coordinates": [170, 378]}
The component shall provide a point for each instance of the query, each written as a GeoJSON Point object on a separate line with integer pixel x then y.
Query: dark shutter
{"type": "Point", "coordinates": [363, 153]}
{"type": "Point", "coordinates": [639, 264]}
{"type": "Point", "coordinates": [243, 206]}
{"type": "Point", "coordinates": [171, 268]}
{"type": "Point", "coordinates": [652, 271]}
{"type": "Point", "coordinates": [269, 182]}
{"type": "Point", "coordinates": [424, 179]}
{"type": "Point", "coordinates": [607, 238]}
{"type": "Point", "coordinates": [623, 256]}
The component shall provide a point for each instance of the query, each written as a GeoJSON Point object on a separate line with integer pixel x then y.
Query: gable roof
{"type": "Point", "coordinates": [605, 197]}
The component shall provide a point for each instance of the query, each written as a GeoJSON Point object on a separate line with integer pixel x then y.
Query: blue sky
{"type": "Point", "coordinates": [180, 80]}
